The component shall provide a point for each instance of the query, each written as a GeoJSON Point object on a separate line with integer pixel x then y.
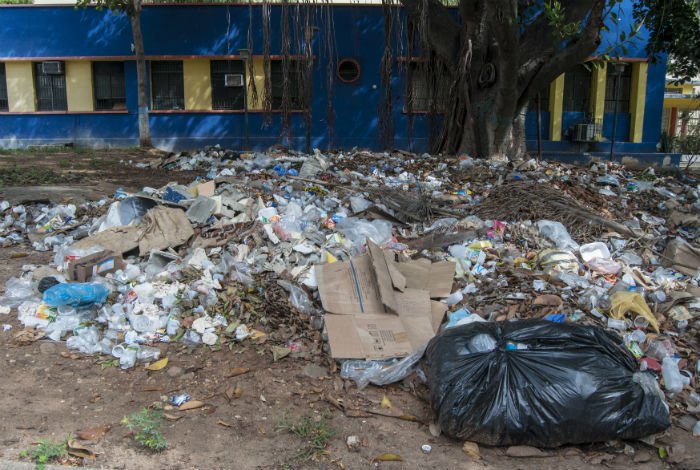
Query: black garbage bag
{"type": "Point", "coordinates": [572, 385]}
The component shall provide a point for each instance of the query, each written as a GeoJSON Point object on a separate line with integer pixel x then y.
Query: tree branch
{"type": "Point", "coordinates": [443, 31]}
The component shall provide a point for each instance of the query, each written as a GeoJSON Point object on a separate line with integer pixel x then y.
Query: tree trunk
{"type": "Point", "coordinates": [141, 75]}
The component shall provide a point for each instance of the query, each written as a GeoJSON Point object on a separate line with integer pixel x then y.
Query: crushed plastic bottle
{"type": "Point", "coordinates": [673, 380]}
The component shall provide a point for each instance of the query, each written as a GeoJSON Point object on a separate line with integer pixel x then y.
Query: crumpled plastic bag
{"type": "Point", "coordinates": [16, 292]}
{"type": "Point", "coordinates": [625, 301]}
{"type": "Point", "coordinates": [557, 233]}
{"type": "Point", "coordinates": [381, 372]}
{"type": "Point", "coordinates": [297, 297]}
{"type": "Point", "coordinates": [544, 384]}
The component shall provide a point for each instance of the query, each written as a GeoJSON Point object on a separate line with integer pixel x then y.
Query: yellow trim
{"type": "Point", "coordinates": [259, 77]}
{"type": "Point", "coordinates": [638, 94]}
{"type": "Point", "coordinates": [556, 108]}
{"type": "Point", "coordinates": [79, 86]}
{"type": "Point", "coordinates": [685, 103]}
{"type": "Point", "coordinates": [597, 101]}
{"type": "Point", "coordinates": [197, 84]}
{"type": "Point", "coordinates": [20, 87]}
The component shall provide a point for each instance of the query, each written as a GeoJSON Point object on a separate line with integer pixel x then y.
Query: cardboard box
{"type": "Point", "coordinates": [378, 308]}
{"type": "Point", "coordinates": [97, 264]}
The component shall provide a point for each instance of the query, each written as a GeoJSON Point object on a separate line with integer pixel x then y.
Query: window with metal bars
{"type": "Point", "coordinates": [227, 94]}
{"type": "Point", "coordinates": [423, 95]}
{"type": "Point", "coordinates": [50, 89]}
{"type": "Point", "coordinates": [109, 87]}
{"type": "Point", "coordinates": [167, 85]}
{"type": "Point", "coordinates": [3, 88]}
{"type": "Point", "coordinates": [624, 86]}
{"type": "Point", "coordinates": [577, 89]}
{"type": "Point", "coordinates": [295, 75]}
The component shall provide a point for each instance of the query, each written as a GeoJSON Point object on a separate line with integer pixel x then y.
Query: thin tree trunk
{"type": "Point", "coordinates": [141, 76]}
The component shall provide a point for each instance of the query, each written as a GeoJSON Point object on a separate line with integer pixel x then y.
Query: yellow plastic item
{"type": "Point", "coordinates": [624, 302]}
{"type": "Point", "coordinates": [480, 245]}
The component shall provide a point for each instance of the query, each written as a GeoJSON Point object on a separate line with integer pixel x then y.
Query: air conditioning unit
{"type": "Point", "coordinates": [584, 132]}
{"type": "Point", "coordinates": [52, 67]}
{"type": "Point", "coordinates": [233, 80]}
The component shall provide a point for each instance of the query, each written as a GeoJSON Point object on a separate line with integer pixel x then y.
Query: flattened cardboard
{"type": "Point", "coordinates": [116, 239]}
{"type": "Point", "coordinates": [164, 228]}
{"type": "Point", "coordinates": [422, 274]}
{"type": "Point", "coordinates": [682, 256]}
{"type": "Point", "coordinates": [367, 336]}
{"type": "Point", "coordinates": [381, 271]}
{"type": "Point", "coordinates": [349, 287]}
{"type": "Point", "coordinates": [101, 263]}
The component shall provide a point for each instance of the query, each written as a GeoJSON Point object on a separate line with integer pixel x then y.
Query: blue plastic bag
{"type": "Point", "coordinates": [76, 294]}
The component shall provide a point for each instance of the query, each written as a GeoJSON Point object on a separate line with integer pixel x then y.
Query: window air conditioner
{"type": "Point", "coordinates": [53, 67]}
{"type": "Point", "coordinates": [233, 80]}
{"type": "Point", "coordinates": [584, 132]}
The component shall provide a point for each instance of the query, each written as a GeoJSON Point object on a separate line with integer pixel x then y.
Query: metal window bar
{"type": "Point", "coordinates": [223, 97]}
{"type": "Point", "coordinates": [277, 80]}
{"type": "Point", "coordinates": [625, 86]}
{"type": "Point", "coordinates": [577, 89]}
{"type": "Point", "coordinates": [167, 85]}
{"type": "Point", "coordinates": [109, 85]}
{"type": "Point", "coordinates": [50, 90]}
{"type": "Point", "coordinates": [4, 105]}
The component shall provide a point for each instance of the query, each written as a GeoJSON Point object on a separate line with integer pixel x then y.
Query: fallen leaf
{"type": "Point", "coordinates": [238, 391]}
{"type": "Point", "coordinates": [237, 371]}
{"type": "Point", "coordinates": [92, 434]}
{"type": "Point", "coordinates": [158, 365]}
{"type": "Point", "coordinates": [28, 335]}
{"type": "Point", "coordinates": [151, 388]}
{"type": "Point", "coordinates": [279, 352]}
{"type": "Point", "coordinates": [171, 417]}
{"type": "Point", "coordinates": [18, 254]}
{"type": "Point", "coordinates": [76, 449]}
{"type": "Point", "coordinates": [472, 450]}
{"type": "Point", "coordinates": [386, 403]}
{"type": "Point", "coordinates": [262, 398]}
{"type": "Point", "coordinates": [357, 414]}
{"type": "Point", "coordinates": [230, 393]}
{"type": "Point", "coordinates": [224, 423]}
{"type": "Point", "coordinates": [191, 405]}
{"type": "Point", "coordinates": [388, 458]}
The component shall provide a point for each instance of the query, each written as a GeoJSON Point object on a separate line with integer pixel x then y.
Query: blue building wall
{"type": "Point", "coordinates": [41, 32]}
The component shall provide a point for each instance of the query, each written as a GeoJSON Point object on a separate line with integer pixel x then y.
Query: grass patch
{"type": "Point", "coordinates": [24, 176]}
{"type": "Point", "coordinates": [315, 432]}
{"type": "Point", "coordinates": [45, 451]}
{"type": "Point", "coordinates": [145, 426]}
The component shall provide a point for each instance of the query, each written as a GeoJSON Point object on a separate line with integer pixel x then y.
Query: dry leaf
{"type": "Point", "coordinates": [93, 434]}
{"type": "Point", "coordinates": [472, 450]}
{"type": "Point", "coordinates": [230, 393]}
{"type": "Point", "coordinates": [224, 423]}
{"type": "Point", "coordinates": [385, 402]}
{"type": "Point", "coordinates": [279, 352]}
{"type": "Point", "coordinates": [171, 417]}
{"type": "Point", "coordinates": [191, 405]}
{"type": "Point", "coordinates": [28, 335]}
{"type": "Point", "coordinates": [158, 365]}
{"type": "Point", "coordinates": [76, 449]}
{"type": "Point", "coordinates": [238, 391]}
{"type": "Point", "coordinates": [151, 388]}
{"type": "Point", "coordinates": [236, 371]}
{"type": "Point", "coordinates": [388, 458]}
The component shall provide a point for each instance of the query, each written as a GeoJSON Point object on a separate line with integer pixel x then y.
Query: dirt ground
{"type": "Point", "coordinates": [48, 393]}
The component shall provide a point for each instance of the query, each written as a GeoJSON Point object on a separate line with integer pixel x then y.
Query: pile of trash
{"type": "Point", "coordinates": [376, 254]}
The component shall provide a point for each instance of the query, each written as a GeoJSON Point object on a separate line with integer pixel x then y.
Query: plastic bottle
{"type": "Point", "coordinates": [76, 294]}
{"type": "Point", "coordinates": [673, 381]}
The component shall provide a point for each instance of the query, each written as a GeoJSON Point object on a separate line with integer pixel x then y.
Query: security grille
{"type": "Point", "coordinates": [277, 80]}
{"type": "Point", "coordinates": [109, 85]}
{"type": "Point", "coordinates": [167, 85]}
{"type": "Point", "coordinates": [224, 96]}
{"type": "Point", "coordinates": [3, 88]}
{"type": "Point", "coordinates": [50, 90]}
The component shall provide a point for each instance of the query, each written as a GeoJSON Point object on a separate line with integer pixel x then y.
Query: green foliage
{"type": "Point", "coordinates": [45, 451]}
{"type": "Point", "coordinates": [556, 17]}
{"type": "Point", "coordinates": [315, 432]}
{"type": "Point", "coordinates": [146, 427]}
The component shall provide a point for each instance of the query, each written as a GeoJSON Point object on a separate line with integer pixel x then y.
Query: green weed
{"type": "Point", "coordinates": [315, 432]}
{"type": "Point", "coordinates": [146, 427]}
{"type": "Point", "coordinates": [45, 451]}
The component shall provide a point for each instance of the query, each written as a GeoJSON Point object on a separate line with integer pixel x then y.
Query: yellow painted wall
{"type": "Point", "coordinates": [556, 107]}
{"type": "Point", "coordinates": [259, 77]}
{"type": "Point", "coordinates": [597, 100]}
{"type": "Point", "coordinates": [79, 85]}
{"type": "Point", "coordinates": [638, 99]}
{"type": "Point", "coordinates": [197, 84]}
{"type": "Point", "coordinates": [20, 87]}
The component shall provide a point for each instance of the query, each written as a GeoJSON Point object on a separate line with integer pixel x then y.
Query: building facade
{"type": "Point", "coordinates": [69, 76]}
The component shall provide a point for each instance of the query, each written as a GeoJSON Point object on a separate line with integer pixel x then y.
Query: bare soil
{"type": "Point", "coordinates": [46, 392]}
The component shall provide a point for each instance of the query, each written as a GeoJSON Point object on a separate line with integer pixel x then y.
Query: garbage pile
{"type": "Point", "coordinates": [369, 256]}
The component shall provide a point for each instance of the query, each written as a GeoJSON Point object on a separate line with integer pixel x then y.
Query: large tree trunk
{"type": "Point", "coordinates": [497, 63]}
{"type": "Point", "coordinates": [141, 75]}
